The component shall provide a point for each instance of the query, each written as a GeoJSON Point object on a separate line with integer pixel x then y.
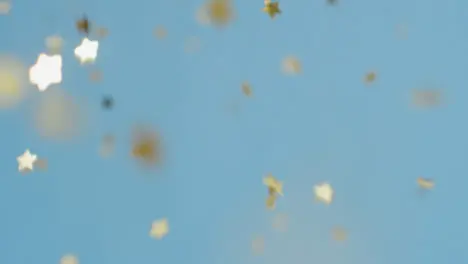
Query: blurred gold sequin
{"type": "Point", "coordinates": [291, 66]}
{"type": "Point", "coordinates": [5, 7]}
{"type": "Point", "coordinates": [41, 164]}
{"type": "Point", "coordinates": [370, 77]}
{"type": "Point", "coordinates": [58, 115]}
{"type": "Point", "coordinates": [258, 245]}
{"type": "Point", "coordinates": [426, 184]}
{"type": "Point", "coordinates": [13, 79]}
{"type": "Point", "coordinates": [246, 89]}
{"type": "Point", "coordinates": [339, 234]}
{"type": "Point", "coordinates": [160, 32]}
{"type": "Point", "coordinates": [146, 146]}
{"type": "Point", "coordinates": [426, 98]}
{"type": "Point", "coordinates": [220, 12]}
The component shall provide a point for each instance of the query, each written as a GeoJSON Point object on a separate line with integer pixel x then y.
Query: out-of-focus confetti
{"type": "Point", "coordinates": [26, 161]}
{"type": "Point", "coordinates": [59, 116]}
{"type": "Point", "coordinates": [203, 15]}
{"type": "Point", "coordinates": [146, 146]}
{"type": "Point", "coordinates": [107, 102]}
{"type": "Point", "coordinates": [159, 228]}
{"type": "Point", "coordinates": [12, 82]}
{"type": "Point", "coordinates": [426, 184]}
{"type": "Point", "coordinates": [271, 8]}
{"type": "Point", "coordinates": [220, 12]}
{"type": "Point", "coordinates": [324, 193]}
{"type": "Point", "coordinates": [107, 146]}
{"type": "Point", "coordinates": [46, 71]}
{"type": "Point", "coordinates": [426, 98]}
{"type": "Point", "coordinates": [291, 66]}
{"type": "Point", "coordinates": [280, 222]}
{"type": "Point", "coordinates": [160, 32]}
{"type": "Point", "coordinates": [83, 25]}
{"type": "Point", "coordinates": [69, 259]}
{"type": "Point", "coordinates": [5, 7]}
{"type": "Point", "coordinates": [258, 245]}
{"type": "Point", "coordinates": [95, 76]}
{"type": "Point", "coordinates": [247, 89]}
{"type": "Point", "coordinates": [339, 234]}
{"type": "Point", "coordinates": [54, 44]}
{"type": "Point", "coordinates": [275, 188]}
{"type": "Point", "coordinates": [332, 2]}
{"type": "Point", "coordinates": [370, 77]}
{"type": "Point", "coordinates": [41, 164]}
{"type": "Point", "coordinates": [192, 45]}
{"type": "Point", "coordinates": [87, 51]}
{"type": "Point", "coordinates": [102, 32]}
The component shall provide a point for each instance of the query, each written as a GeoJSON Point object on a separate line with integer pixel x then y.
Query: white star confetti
{"type": "Point", "coordinates": [69, 259]}
{"type": "Point", "coordinates": [46, 71]}
{"type": "Point", "coordinates": [87, 51]}
{"type": "Point", "coordinates": [324, 193]}
{"type": "Point", "coordinates": [26, 161]}
{"type": "Point", "coordinates": [159, 228]}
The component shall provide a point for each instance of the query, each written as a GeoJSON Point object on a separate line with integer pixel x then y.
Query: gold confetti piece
{"type": "Point", "coordinates": [146, 146]}
{"type": "Point", "coordinates": [271, 8]}
{"type": "Point", "coordinates": [69, 259]}
{"type": "Point", "coordinates": [13, 79]}
{"type": "Point", "coordinates": [370, 77]}
{"type": "Point", "coordinates": [159, 228]}
{"type": "Point", "coordinates": [107, 146]}
{"type": "Point", "coordinates": [291, 66]}
{"type": "Point", "coordinates": [95, 76]}
{"type": "Point", "coordinates": [258, 245]}
{"type": "Point", "coordinates": [426, 98]}
{"type": "Point", "coordinates": [339, 234]}
{"type": "Point", "coordinates": [273, 184]}
{"type": "Point", "coordinates": [5, 7]}
{"type": "Point", "coordinates": [59, 116]}
{"type": "Point", "coordinates": [41, 164]}
{"type": "Point", "coordinates": [280, 222]}
{"type": "Point", "coordinates": [192, 45]}
{"type": "Point", "coordinates": [220, 12]}
{"type": "Point", "coordinates": [54, 44]}
{"type": "Point", "coordinates": [160, 32]}
{"type": "Point", "coordinates": [271, 201]}
{"type": "Point", "coordinates": [426, 184]}
{"type": "Point", "coordinates": [83, 25]}
{"type": "Point", "coordinates": [246, 89]}
{"type": "Point", "coordinates": [46, 71]}
{"type": "Point", "coordinates": [324, 193]}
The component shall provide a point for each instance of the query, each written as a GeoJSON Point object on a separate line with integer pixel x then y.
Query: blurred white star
{"type": "Point", "coordinates": [46, 71]}
{"type": "Point", "coordinates": [69, 259]}
{"type": "Point", "coordinates": [87, 51]}
{"type": "Point", "coordinates": [159, 228]}
{"type": "Point", "coordinates": [26, 161]}
{"type": "Point", "coordinates": [324, 193]}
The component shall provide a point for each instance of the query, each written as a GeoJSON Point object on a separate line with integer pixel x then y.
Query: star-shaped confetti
{"type": "Point", "coordinates": [87, 51]}
{"type": "Point", "coordinates": [26, 161]}
{"type": "Point", "coordinates": [271, 8]}
{"type": "Point", "coordinates": [69, 259]}
{"type": "Point", "coordinates": [324, 193]}
{"type": "Point", "coordinates": [426, 184]}
{"type": "Point", "coordinates": [159, 228]}
{"type": "Point", "coordinates": [46, 71]}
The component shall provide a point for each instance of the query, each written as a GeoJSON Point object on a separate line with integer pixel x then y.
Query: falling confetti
{"type": "Point", "coordinates": [83, 25]}
{"type": "Point", "coordinates": [95, 76]}
{"type": "Point", "coordinates": [332, 2]}
{"type": "Point", "coordinates": [271, 8]}
{"type": "Point", "coordinates": [291, 66]}
{"type": "Point", "coordinates": [258, 245]}
{"type": "Point", "coordinates": [13, 77]}
{"type": "Point", "coordinates": [426, 98]}
{"type": "Point", "coordinates": [146, 146]}
{"type": "Point", "coordinates": [5, 7]}
{"type": "Point", "coordinates": [107, 102]}
{"type": "Point", "coordinates": [370, 78]}
{"type": "Point", "coordinates": [41, 164]}
{"type": "Point", "coordinates": [159, 229]}
{"type": "Point", "coordinates": [324, 193]}
{"type": "Point", "coordinates": [87, 51]}
{"type": "Point", "coordinates": [46, 71]}
{"type": "Point", "coordinates": [54, 44]}
{"type": "Point", "coordinates": [246, 89]}
{"type": "Point", "coordinates": [107, 146]}
{"type": "Point", "coordinates": [59, 116]}
{"type": "Point", "coordinates": [26, 161]}
{"type": "Point", "coordinates": [339, 234]}
{"type": "Point", "coordinates": [426, 184]}
{"type": "Point", "coordinates": [160, 32]}
{"type": "Point", "coordinates": [275, 188]}
{"type": "Point", "coordinates": [220, 12]}
{"type": "Point", "coordinates": [102, 32]}
{"type": "Point", "coordinates": [280, 222]}
{"type": "Point", "coordinates": [69, 259]}
{"type": "Point", "coordinates": [203, 15]}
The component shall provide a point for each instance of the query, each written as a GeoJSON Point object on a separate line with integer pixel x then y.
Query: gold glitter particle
{"type": "Point", "coordinates": [247, 89]}
{"type": "Point", "coordinates": [271, 8]}
{"type": "Point", "coordinates": [339, 234]}
{"type": "Point", "coordinates": [425, 183]}
{"type": "Point", "coordinates": [83, 25]}
{"type": "Point", "coordinates": [426, 98]}
{"type": "Point", "coordinates": [146, 146]}
{"type": "Point", "coordinates": [159, 228]}
{"type": "Point", "coordinates": [370, 77]}
{"type": "Point", "coordinates": [13, 80]}
{"type": "Point", "coordinates": [220, 12]}
{"type": "Point", "coordinates": [291, 66]}
{"type": "Point", "coordinates": [160, 32]}
{"type": "Point", "coordinates": [258, 245]}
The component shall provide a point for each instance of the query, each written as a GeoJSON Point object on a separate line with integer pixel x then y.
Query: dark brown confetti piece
{"type": "Point", "coordinates": [83, 25]}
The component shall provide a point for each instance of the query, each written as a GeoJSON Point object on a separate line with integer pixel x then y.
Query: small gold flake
{"type": "Point", "coordinates": [370, 77]}
{"type": "Point", "coordinates": [339, 234]}
{"type": "Point", "coordinates": [273, 184]}
{"type": "Point", "coordinates": [246, 89]}
{"type": "Point", "coordinates": [258, 245]}
{"type": "Point", "coordinates": [425, 183]}
{"type": "Point", "coordinates": [159, 228]}
{"type": "Point", "coordinates": [291, 66]}
{"type": "Point", "coordinates": [160, 32]}
{"type": "Point", "coordinates": [83, 25]}
{"type": "Point", "coordinates": [146, 146]}
{"type": "Point", "coordinates": [220, 12]}
{"type": "Point", "coordinates": [271, 8]}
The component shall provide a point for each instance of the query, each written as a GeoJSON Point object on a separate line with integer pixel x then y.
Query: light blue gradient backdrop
{"type": "Point", "coordinates": [324, 125]}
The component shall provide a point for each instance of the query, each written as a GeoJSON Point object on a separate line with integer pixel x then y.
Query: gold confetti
{"type": "Point", "coordinates": [83, 25]}
{"type": "Point", "coordinates": [339, 234]}
{"type": "Point", "coordinates": [159, 228]}
{"type": "Point", "coordinates": [69, 259]}
{"type": "Point", "coordinates": [291, 66]}
{"type": "Point", "coordinates": [271, 201]}
{"type": "Point", "coordinates": [258, 245]}
{"type": "Point", "coordinates": [280, 222]}
{"type": "Point", "coordinates": [13, 79]}
{"type": "Point", "coordinates": [146, 146]}
{"type": "Point", "coordinates": [246, 89]}
{"type": "Point", "coordinates": [41, 164]}
{"type": "Point", "coordinates": [271, 8]}
{"type": "Point", "coordinates": [5, 7]}
{"type": "Point", "coordinates": [426, 184]}
{"type": "Point", "coordinates": [324, 193]}
{"type": "Point", "coordinates": [426, 98]}
{"type": "Point", "coordinates": [220, 12]}
{"type": "Point", "coordinates": [160, 32]}
{"type": "Point", "coordinates": [370, 77]}
{"type": "Point", "coordinates": [273, 184]}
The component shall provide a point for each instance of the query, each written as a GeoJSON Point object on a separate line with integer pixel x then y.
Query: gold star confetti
{"type": "Point", "coordinates": [426, 98]}
{"type": "Point", "coordinates": [159, 228]}
{"type": "Point", "coordinates": [69, 259]}
{"type": "Point", "coordinates": [271, 8]}
{"type": "Point", "coordinates": [146, 146]}
{"type": "Point", "coordinates": [370, 77]}
{"type": "Point", "coordinates": [426, 184]}
{"type": "Point", "coordinates": [291, 66]}
{"type": "Point", "coordinates": [46, 72]}
{"type": "Point", "coordinates": [220, 12]}
{"type": "Point", "coordinates": [339, 234]}
{"type": "Point", "coordinates": [87, 51]}
{"type": "Point", "coordinates": [246, 89]}
{"type": "Point", "coordinates": [13, 80]}
{"type": "Point", "coordinates": [26, 161]}
{"type": "Point", "coordinates": [324, 193]}
{"type": "Point", "coordinates": [160, 32]}
{"type": "Point", "coordinates": [258, 245]}
{"type": "Point", "coordinates": [280, 222]}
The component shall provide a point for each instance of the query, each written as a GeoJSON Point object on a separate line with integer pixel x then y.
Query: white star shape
{"type": "Point", "coordinates": [159, 228]}
{"type": "Point", "coordinates": [87, 51]}
{"type": "Point", "coordinates": [46, 71]}
{"type": "Point", "coordinates": [26, 161]}
{"type": "Point", "coordinates": [324, 193]}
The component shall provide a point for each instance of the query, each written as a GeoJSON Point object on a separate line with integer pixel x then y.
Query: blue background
{"type": "Point", "coordinates": [323, 125]}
